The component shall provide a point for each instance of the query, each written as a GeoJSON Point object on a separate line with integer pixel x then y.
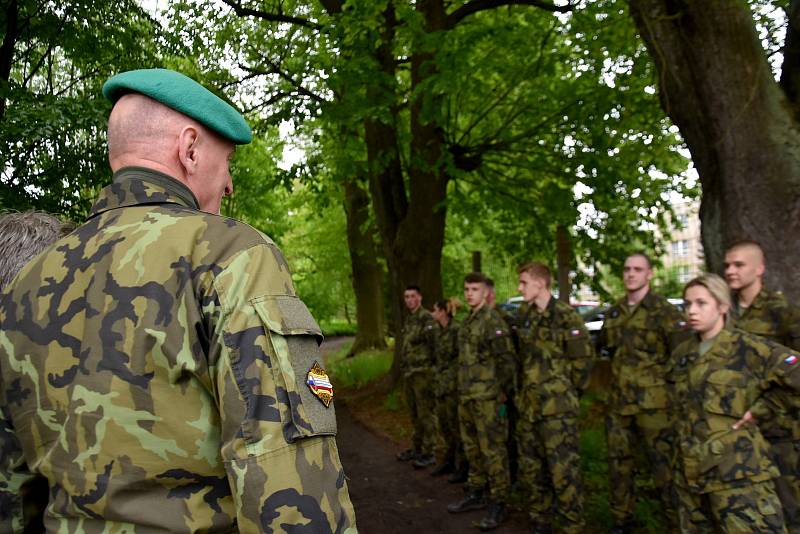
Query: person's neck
{"type": "Point", "coordinates": [412, 311]}
{"type": "Point", "coordinates": [542, 300]}
{"type": "Point", "coordinates": [635, 297]}
{"type": "Point", "coordinates": [746, 295]}
{"type": "Point", "coordinates": [714, 331]}
{"type": "Point", "coordinates": [444, 321]}
{"type": "Point", "coordinates": [478, 307]}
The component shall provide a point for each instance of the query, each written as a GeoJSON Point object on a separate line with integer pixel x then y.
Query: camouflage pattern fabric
{"type": "Point", "coordinates": [640, 340]}
{"type": "Point", "coordinates": [484, 431]}
{"type": "Point", "coordinates": [713, 389]}
{"type": "Point", "coordinates": [753, 508]}
{"type": "Point", "coordinates": [555, 357]}
{"type": "Point", "coordinates": [447, 393]}
{"type": "Point", "coordinates": [419, 361]}
{"type": "Point", "coordinates": [772, 317]}
{"type": "Point", "coordinates": [153, 368]}
{"type": "Point", "coordinates": [485, 375]}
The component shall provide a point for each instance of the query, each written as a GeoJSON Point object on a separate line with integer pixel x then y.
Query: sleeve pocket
{"type": "Point", "coordinates": [295, 337]}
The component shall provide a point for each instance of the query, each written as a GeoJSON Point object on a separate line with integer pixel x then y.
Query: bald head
{"type": "Point", "coordinates": [140, 128]}
{"type": "Point", "coordinates": [744, 265]}
{"type": "Point", "coordinates": [146, 133]}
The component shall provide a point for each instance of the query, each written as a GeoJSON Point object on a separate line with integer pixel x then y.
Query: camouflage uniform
{"type": "Point", "coordinates": [771, 317]}
{"type": "Point", "coordinates": [555, 360]}
{"type": "Point", "coordinates": [640, 340]}
{"type": "Point", "coordinates": [724, 476]}
{"type": "Point", "coordinates": [485, 372]}
{"type": "Point", "coordinates": [447, 393]}
{"type": "Point", "coordinates": [419, 344]}
{"type": "Point", "coordinates": [154, 367]}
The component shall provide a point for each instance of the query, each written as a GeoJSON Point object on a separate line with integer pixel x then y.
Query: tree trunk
{"type": "Point", "coordinates": [564, 260]}
{"type": "Point", "coordinates": [367, 272]}
{"type": "Point", "coordinates": [716, 85]}
{"type": "Point", "coordinates": [7, 51]}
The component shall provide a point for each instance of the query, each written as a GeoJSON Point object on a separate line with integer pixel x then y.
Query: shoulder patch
{"type": "Point", "coordinates": [574, 333]}
{"type": "Point", "coordinates": [790, 359]}
{"type": "Point", "coordinates": [319, 384]}
{"type": "Point", "coordinates": [499, 332]}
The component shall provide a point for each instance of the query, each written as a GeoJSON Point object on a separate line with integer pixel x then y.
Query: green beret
{"type": "Point", "coordinates": [183, 94]}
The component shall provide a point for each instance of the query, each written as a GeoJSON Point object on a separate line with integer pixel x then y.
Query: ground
{"type": "Point", "coordinates": [390, 496]}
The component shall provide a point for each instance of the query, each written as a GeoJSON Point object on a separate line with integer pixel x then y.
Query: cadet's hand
{"type": "Point", "coordinates": [746, 420]}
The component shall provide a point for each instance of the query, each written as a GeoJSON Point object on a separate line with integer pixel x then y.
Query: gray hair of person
{"type": "Point", "coordinates": [715, 285]}
{"type": "Point", "coordinates": [23, 235]}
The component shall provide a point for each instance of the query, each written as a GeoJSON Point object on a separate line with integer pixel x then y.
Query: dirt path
{"type": "Point", "coordinates": [391, 497]}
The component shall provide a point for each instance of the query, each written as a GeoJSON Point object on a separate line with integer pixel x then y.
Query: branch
{"type": "Point", "coordinates": [474, 6]}
{"type": "Point", "coordinates": [242, 11]}
{"type": "Point", "coordinates": [275, 69]}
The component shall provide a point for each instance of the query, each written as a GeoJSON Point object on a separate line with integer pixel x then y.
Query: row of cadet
{"type": "Point", "coordinates": [711, 395]}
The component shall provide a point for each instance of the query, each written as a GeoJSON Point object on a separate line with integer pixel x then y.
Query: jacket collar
{"type": "Point", "coordinates": [135, 186]}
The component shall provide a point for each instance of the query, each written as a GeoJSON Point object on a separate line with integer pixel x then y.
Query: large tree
{"type": "Point", "coordinates": [740, 124]}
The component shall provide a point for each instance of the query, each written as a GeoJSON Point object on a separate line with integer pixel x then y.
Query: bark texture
{"type": "Point", "coordinates": [564, 260]}
{"type": "Point", "coordinates": [716, 85]}
{"type": "Point", "coordinates": [367, 271]}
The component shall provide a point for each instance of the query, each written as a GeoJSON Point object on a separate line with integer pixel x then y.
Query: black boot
{"type": "Point", "coordinates": [443, 469]}
{"type": "Point", "coordinates": [474, 500]}
{"type": "Point", "coordinates": [406, 455]}
{"type": "Point", "coordinates": [495, 515]}
{"type": "Point", "coordinates": [423, 461]}
{"type": "Point", "coordinates": [460, 475]}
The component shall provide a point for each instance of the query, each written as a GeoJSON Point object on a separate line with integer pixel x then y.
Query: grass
{"type": "Point", "coordinates": [337, 328]}
{"type": "Point", "coordinates": [360, 370]}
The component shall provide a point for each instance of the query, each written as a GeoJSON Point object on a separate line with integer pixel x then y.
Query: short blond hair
{"type": "Point", "coordinates": [538, 270]}
{"type": "Point", "coordinates": [715, 285]}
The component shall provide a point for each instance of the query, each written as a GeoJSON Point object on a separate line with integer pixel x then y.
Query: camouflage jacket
{"type": "Point", "coordinates": [447, 358]}
{"type": "Point", "coordinates": [711, 392]}
{"type": "Point", "coordinates": [555, 358]}
{"type": "Point", "coordinates": [640, 342]}
{"type": "Point", "coordinates": [772, 317]}
{"type": "Point", "coordinates": [419, 342]}
{"type": "Point", "coordinates": [154, 369]}
{"type": "Point", "coordinates": [485, 356]}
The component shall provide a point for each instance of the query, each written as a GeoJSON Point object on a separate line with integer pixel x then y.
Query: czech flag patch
{"type": "Point", "coordinates": [790, 360]}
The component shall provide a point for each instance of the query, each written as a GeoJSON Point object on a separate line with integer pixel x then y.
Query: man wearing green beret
{"type": "Point", "coordinates": [156, 365]}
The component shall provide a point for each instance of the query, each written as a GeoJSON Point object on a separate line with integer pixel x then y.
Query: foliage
{"type": "Point", "coordinates": [358, 371]}
{"type": "Point", "coordinates": [53, 118]}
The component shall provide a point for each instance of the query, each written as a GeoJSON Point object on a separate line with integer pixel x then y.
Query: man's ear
{"type": "Point", "coordinates": [188, 140]}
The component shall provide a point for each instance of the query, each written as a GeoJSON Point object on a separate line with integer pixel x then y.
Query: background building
{"type": "Point", "coordinates": [684, 257]}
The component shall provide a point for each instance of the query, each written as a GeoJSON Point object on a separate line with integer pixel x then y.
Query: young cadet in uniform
{"type": "Point", "coordinates": [638, 334]}
{"type": "Point", "coordinates": [485, 378]}
{"type": "Point", "coordinates": [156, 364]}
{"type": "Point", "coordinates": [447, 392]}
{"type": "Point", "coordinates": [419, 361]}
{"type": "Point", "coordinates": [767, 314]}
{"type": "Point", "coordinates": [555, 356]}
{"type": "Point", "coordinates": [723, 380]}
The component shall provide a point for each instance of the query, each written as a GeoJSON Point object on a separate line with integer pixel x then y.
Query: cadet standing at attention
{"type": "Point", "coordinates": [419, 363]}
{"type": "Point", "coordinates": [156, 365]}
{"type": "Point", "coordinates": [447, 393]}
{"type": "Point", "coordinates": [485, 379]}
{"type": "Point", "coordinates": [639, 333]}
{"type": "Point", "coordinates": [723, 380]}
{"type": "Point", "coordinates": [555, 356]}
{"type": "Point", "coordinates": [767, 314]}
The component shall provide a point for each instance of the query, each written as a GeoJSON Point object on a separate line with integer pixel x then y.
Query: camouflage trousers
{"type": "Point", "coordinates": [447, 428]}
{"type": "Point", "coordinates": [751, 508]}
{"type": "Point", "coordinates": [421, 402]}
{"type": "Point", "coordinates": [483, 433]}
{"type": "Point", "coordinates": [627, 434]}
{"type": "Point", "coordinates": [550, 469]}
{"type": "Point", "coordinates": [787, 458]}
